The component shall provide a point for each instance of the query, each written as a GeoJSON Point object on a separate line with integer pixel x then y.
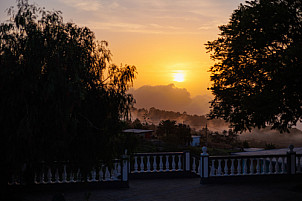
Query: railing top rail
{"type": "Point", "coordinates": [158, 153]}
{"type": "Point", "coordinates": [248, 156]}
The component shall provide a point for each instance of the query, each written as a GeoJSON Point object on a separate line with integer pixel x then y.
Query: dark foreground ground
{"type": "Point", "coordinates": [183, 189]}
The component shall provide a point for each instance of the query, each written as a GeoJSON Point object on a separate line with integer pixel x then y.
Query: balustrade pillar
{"type": "Point", "coordinates": [187, 161]}
{"type": "Point", "coordinates": [124, 168]}
{"type": "Point", "coordinates": [204, 165]}
{"type": "Point", "coordinates": [291, 160]}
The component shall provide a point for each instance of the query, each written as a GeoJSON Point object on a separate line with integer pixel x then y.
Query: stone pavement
{"type": "Point", "coordinates": [185, 189]}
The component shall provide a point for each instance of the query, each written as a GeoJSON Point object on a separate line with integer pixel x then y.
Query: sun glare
{"type": "Point", "coordinates": [179, 77]}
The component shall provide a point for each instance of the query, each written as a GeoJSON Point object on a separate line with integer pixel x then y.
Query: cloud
{"type": "Point", "coordinates": [171, 98]}
{"type": "Point", "coordinates": [87, 5]}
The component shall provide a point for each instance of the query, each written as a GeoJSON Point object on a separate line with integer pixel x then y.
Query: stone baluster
{"type": "Point", "coordinates": [179, 163]}
{"type": "Point", "coordinates": [226, 169]}
{"type": "Point", "coordinates": [251, 166]}
{"type": "Point", "coordinates": [71, 177]}
{"type": "Point", "coordinates": [161, 165]}
{"type": "Point", "coordinates": [219, 168]}
{"type": "Point", "coordinates": [198, 168]}
{"type": "Point", "coordinates": [244, 166]}
{"type": "Point", "coordinates": [239, 167]}
{"type": "Point", "coordinates": [167, 163]}
{"type": "Point", "coordinates": [264, 166]}
{"type": "Point", "coordinates": [277, 165]}
{"type": "Point", "coordinates": [173, 163]}
{"type": "Point", "coordinates": [232, 167]}
{"type": "Point", "coordinates": [57, 177]}
{"type": "Point", "coordinates": [212, 173]}
{"type": "Point", "coordinates": [101, 174]}
{"type": "Point", "coordinates": [64, 175]}
{"type": "Point", "coordinates": [258, 166]}
{"type": "Point", "coordinates": [193, 165]}
{"type": "Point", "coordinates": [299, 164]}
{"type": "Point", "coordinates": [135, 164]}
{"type": "Point", "coordinates": [88, 177]}
{"type": "Point", "coordinates": [154, 164]}
{"type": "Point", "coordinates": [49, 176]}
{"type": "Point", "coordinates": [142, 167]}
{"type": "Point", "coordinates": [115, 172]}
{"type": "Point", "coordinates": [107, 174]}
{"type": "Point", "coordinates": [148, 164]}
{"type": "Point", "coordinates": [13, 180]}
{"type": "Point", "coordinates": [42, 181]}
{"type": "Point", "coordinates": [79, 175]}
{"type": "Point", "coordinates": [93, 175]}
{"type": "Point", "coordinates": [119, 169]}
{"type": "Point", "coordinates": [270, 166]}
{"type": "Point", "coordinates": [283, 165]}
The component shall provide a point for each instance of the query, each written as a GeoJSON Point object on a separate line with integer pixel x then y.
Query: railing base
{"type": "Point", "coordinates": [157, 175]}
{"type": "Point", "coordinates": [61, 187]}
{"type": "Point", "coordinates": [250, 178]}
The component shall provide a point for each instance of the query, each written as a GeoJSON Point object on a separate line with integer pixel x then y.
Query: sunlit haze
{"type": "Point", "coordinates": [163, 39]}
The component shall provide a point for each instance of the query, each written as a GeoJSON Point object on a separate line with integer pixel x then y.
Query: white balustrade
{"type": "Point", "coordinates": [64, 175]}
{"type": "Point", "coordinates": [299, 164]}
{"type": "Point", "coordinates": [57, 177]}
{"type": "Point", "coordinates": [283, 171]}
{"type": "Point", "coordinates": [277, 166]}
{"type": "Point", "coordinates": [232, 167]}
{"type": "Point", "coordinates": [49, 176]}
{"type": "Point", "coordinates": [148, 164]}
{"type": "Point", "coordinates": [142, 164]}
{"type": "Point", "coordinates": [251, 166]}
{"type": "Point", "coordinates": [270, 167]}
{"type": "Point", "coordinates": [219, 168]}
{"type": "Point", "coordinates": [264, 166]}
{"type": "Point", "coordinates": [179, 163]}
{"type": "Point", "coordinates": [226, 169]}
{"type": "Point", "coordinates": [135, 164]}
{"type": "Point", "coordinates": [173, 163]}
{"type": "Point", "coordinates": [258, 166]}
{"type": "Point", "coordinates": [71, 177]}
{"type": "Point", "coordinates": [154, 164]}
{"type": "Point", "coordinates": [244, 166]}
{"type": "Point", "coordinates": [239, 166]}
{"type": "Point", "coordinates": [193, 165]}
{"type": "Point", "coordinates": [198, 168]}
{"type": "Point", "coordinates": [213, 168]}
{"type": "Point", "coordinates": [107, 174]}
{"type": "Point", "coordinates": [167, 163]}
{"type": "Point", "coordinates": [101, 174]}
{"type": "Point", "coordinates": [161, 165]}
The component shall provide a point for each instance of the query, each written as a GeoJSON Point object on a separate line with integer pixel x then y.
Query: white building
{"type": "Point", "coordinates": [195, 141]}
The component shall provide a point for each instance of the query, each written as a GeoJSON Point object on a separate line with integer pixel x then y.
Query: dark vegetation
{"type": "Point", "coordinates": [61, 98]}
{"type": "Point", "coordinates": [257, 75]}
{"type": "Point", "coordinates": [155, 116]}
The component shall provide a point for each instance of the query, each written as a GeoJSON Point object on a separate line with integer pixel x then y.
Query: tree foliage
{"type": "Point", "coordinates": [175, 134]}
{"type": "Point", "coordinates": [257, 74]}
{"type": "Point", "coordinates": [61, 98]}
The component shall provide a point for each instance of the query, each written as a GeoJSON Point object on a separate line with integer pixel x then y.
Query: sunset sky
{"type": "Point", "coordinates": [164, 39]}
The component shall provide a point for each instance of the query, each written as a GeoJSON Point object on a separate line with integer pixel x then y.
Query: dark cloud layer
{"type": "Point", "coordinates": [169, 97]}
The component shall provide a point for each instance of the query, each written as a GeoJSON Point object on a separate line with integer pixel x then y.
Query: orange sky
{"type": "Point", "coordinates": [159, 37]}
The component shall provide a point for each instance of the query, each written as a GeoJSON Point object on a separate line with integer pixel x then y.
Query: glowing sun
{"type": "Point", "coordinates": [179, 77]}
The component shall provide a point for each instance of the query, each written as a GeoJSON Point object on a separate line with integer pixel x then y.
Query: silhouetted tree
{"type": "Point", "coordinates": [175, 134]}
{"type": "Point", "coordinates": [166, 128]}
{"type": "Point", "coordinates": [257, 77]}
{"type": "Point", "coordinates": [61, 98]}
{"type": "Point", "coordinates": [183, 134]}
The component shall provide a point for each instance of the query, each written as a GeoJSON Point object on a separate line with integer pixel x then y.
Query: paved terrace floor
{"type": "Point", "coordinates": [184, 189]}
